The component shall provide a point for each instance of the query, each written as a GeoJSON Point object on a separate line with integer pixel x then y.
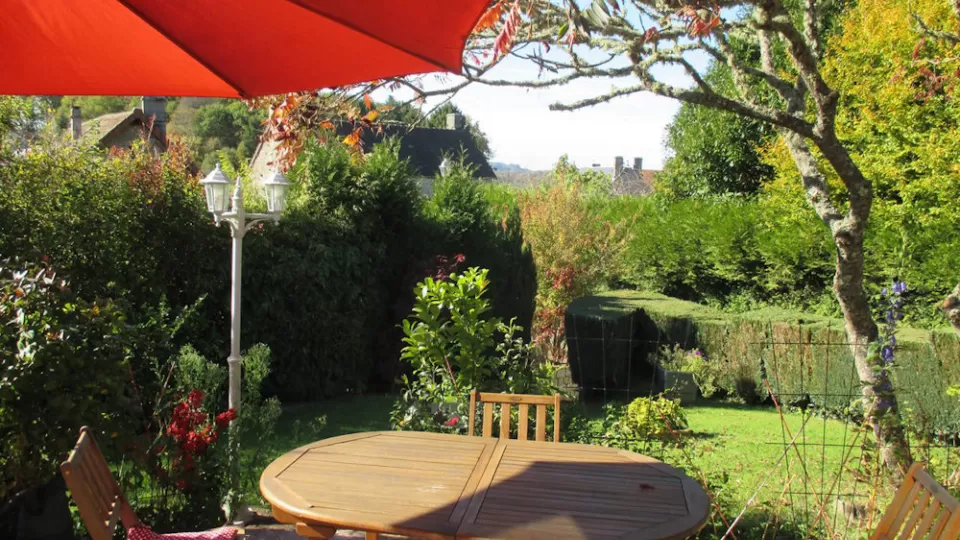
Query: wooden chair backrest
{"type": "Point", "coordinates": [523, 401]}
{"type": "Point", "coordinates": [101, 503]}
{"type": "Point", "coordinates": [921, 508]}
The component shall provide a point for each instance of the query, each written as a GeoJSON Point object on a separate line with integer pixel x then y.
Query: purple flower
{"type": "Point", "coordinates": [887, 354]}
{"type": "Point", "coordinates": [899, 287]}
{"type": "Point", "coordinates": [883, 291]}
{"type": "Point", "coordinates": [890, 318]}
{"type": "Point", "coordinates": [893, 341]}
{"type": "Point", "coordinates": [698, 353]}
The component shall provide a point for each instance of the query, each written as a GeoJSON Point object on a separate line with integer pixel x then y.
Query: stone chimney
{"type": "Point", "coordinates": [638, 164]}
{"type": "Point", "coordinates": [156, 107]}
{"type": "Point", "coordinates": [617, 167]}
{"type": "Point", "coordinates": [76, 122]}
{"type": "Point", "coordinates": [455, 121]}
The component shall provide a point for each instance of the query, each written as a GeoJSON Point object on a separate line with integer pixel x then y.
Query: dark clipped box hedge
{"type": "Point", "coordinates": [803, 358]}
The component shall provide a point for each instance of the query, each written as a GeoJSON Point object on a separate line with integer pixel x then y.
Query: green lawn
{"type": "Point", "coordinates": [739, 450]}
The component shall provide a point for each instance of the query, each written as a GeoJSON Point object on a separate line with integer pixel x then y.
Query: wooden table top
{"type": "Point", "coordinates": [432, 485]}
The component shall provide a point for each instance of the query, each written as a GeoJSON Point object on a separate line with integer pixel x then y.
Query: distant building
{"type": "Point", "coordinates": [631, 180]}
{"type": "Point", "coordinates": [120, 130]}
{"type": "Point", "coordinates": [424, 149]}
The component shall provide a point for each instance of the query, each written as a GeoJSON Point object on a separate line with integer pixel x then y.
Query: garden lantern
{"type": "Point", "coordinates": [275, 192]}
{"type": "Point", "coordinates": [217, 187]}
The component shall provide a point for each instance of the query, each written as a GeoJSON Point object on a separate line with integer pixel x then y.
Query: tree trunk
{"type": "Point", "coordinates": [951, 309]}
{"type": "Point", "coordinates": [880, 405]}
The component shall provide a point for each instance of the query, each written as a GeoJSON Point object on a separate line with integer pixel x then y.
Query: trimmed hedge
{"type": "Point", "coordinates": [804, 358]}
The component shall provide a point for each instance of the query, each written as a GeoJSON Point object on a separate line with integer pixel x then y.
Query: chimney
{"type": "Point", "coordinates": [156, 107]}
{"type": "Point", "coordinates": [638, 164]}
{"type": "Point", "coordinates": [617, 167]}
{"type": "Point", "coordinates": [455, 121]}
{"type": "Point", "coordinates": [76, 122]}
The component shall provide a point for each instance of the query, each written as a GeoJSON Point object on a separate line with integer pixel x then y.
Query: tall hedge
{"type": "Point", "coordinates": [803, 358]}
{"type": "Point", "coordinates": [326, 289]}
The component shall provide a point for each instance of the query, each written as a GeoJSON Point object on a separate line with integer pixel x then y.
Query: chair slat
{"type": "Point", "coordinates": [905, 509]}
{"type": "Point", "coordinates": [488, 419]}
{"type": "Point", "coordinates": [98, 497]}
{"type": "Point", "coordinates": [523, 403]}
{"type": "Point", "coordinates": [523, 426]}
{"type": "Point", "coordinates": [921, 508]}
{"type": "Point", "coordinates": [541, 422]}
{"type": "Point", "coordinates": [927, 520]}
{"type": "Point", "coordinates": [922, 502]}
{"type": "Point", "coordinates": [556, 418]}
{"type": "Point", "coordinates": [505, 413]}
{"type": "Point", "coordinates": [471, 430]}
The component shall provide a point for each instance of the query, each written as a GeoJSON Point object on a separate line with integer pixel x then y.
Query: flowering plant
{"type": "Point", "coordinates": [893, 313]}
{"type": "Point", "coordinates": [193, 431]}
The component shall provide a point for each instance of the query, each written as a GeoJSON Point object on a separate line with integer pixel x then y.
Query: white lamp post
{"type": "Point", "coordinates": [217, 187]}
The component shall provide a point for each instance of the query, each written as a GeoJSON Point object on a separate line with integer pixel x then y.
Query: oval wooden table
{"type": "Point", "coordinates": [431, 485]}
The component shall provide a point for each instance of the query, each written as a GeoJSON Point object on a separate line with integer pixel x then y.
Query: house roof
{"type": "Point", "coordinates": [105, 126]}
{"type": "Point", "coordinates": [423, 148]}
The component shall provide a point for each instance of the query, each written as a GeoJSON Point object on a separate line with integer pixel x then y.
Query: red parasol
{"type": "Point", "coordinates": [224, 48]}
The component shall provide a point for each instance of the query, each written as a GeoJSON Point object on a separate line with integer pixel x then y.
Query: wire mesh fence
{"type": "Point", "coordinates": [784, 449]}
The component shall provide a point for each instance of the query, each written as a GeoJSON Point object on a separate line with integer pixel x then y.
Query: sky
{"type": "Point", "coordinates": [522, 129]}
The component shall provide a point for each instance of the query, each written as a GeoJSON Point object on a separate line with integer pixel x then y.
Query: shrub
{"type": "Point", "coordinates": [652, 418]}
{"type": "Point", "coordinates": [574, 250]}
{"type": "Point", "coordinates": [185, 469]}
{"type": "Point", "coordinates": [483, 223]}
{"type": "Point", "coordinates": [64, 363]}
{"type": "Point", "coordinates": [454, 346]}
{"type": "Point", "coordinates": [704, 372]}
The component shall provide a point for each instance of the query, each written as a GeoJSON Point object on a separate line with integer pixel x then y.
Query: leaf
{"type": "Point", "coordinates": [326, 124]}
{"type": "Point", "coordinates": [490, 18]}
{"type": "Point", "coordinates": [508, 33]}
{"type": "Point", "coordinates": [367, 101]}
{"type": "Point", "coordinates": [371, 116]}
{"type": "Point", "coordinates": [353, 139]}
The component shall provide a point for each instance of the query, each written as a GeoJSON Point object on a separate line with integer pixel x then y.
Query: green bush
{"type": "Point", "coordinates": [454, 346]}
{"type": "Point", "coordinates": [483, 223]}
{"type": "Point", "coordinates": [63, 364]}
{"type": "Point", "coordinates": [652, 418]}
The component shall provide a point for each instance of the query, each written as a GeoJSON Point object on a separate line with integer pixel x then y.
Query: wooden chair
{"type": "Point", "coordinates": [98, 496]}
{"type": "Point", "coordinates": [506, 402]}
{"type": "Point", "coordinates": [921, 508]}
{"type": "Point", "coordinates": [101, 503]}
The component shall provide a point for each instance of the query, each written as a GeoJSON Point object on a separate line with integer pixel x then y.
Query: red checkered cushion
{"type": "Point", "coordinates": [145, 533]}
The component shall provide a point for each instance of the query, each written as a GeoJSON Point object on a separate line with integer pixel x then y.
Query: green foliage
{"type": "Point", "coordinates": [227, 125]}
{"type": "Point", "coordinates": [575, 250]}
{"type": "Point", "coordinates": [63, 364]}
{"type": "Point", "coordinates": [483, 223]}
{"type": "Point", "coordinates": [714, 152]}
{"type": "Point", "coordinates": [91, 107]}
{"type": "Point", "coordinates": [454, 346]}
{"type": "Point", "coordinates": [652, 418]}
{"type": "Point", "coordinates": [171, 490]}
{"type": "Point", "coordinates": [705, 373]}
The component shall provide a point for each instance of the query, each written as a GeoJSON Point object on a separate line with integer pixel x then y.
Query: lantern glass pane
{"type": "Point", "coordinates": [276, 197]}
{"type": "Point", "coordinates": [216, 197]}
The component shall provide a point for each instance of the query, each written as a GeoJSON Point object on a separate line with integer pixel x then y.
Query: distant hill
{"type": "Point", "coordinates": [507, 167]}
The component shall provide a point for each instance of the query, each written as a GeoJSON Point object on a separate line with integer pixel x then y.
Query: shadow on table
{"type": "Point", "coordinates": [567, 499]}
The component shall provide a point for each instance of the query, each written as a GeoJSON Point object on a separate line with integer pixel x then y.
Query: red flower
{"type": "Point", "coordinates": [195, 398]}
{"type": "Point", "coordinates": [460, 258]}
{"type": "Point", "coordinates": [182, 485]}
{"type": "Point", "coordinates": [452, 421]}
{"type": "Point", "coordinates": [226, 417]}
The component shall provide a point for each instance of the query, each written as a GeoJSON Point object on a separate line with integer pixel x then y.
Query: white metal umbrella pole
{"type": "Point", "coordinates": [216, 186]}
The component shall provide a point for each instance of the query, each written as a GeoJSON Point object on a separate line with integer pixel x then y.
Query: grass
{"type": "Point", "coordinates": [739, 450]}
